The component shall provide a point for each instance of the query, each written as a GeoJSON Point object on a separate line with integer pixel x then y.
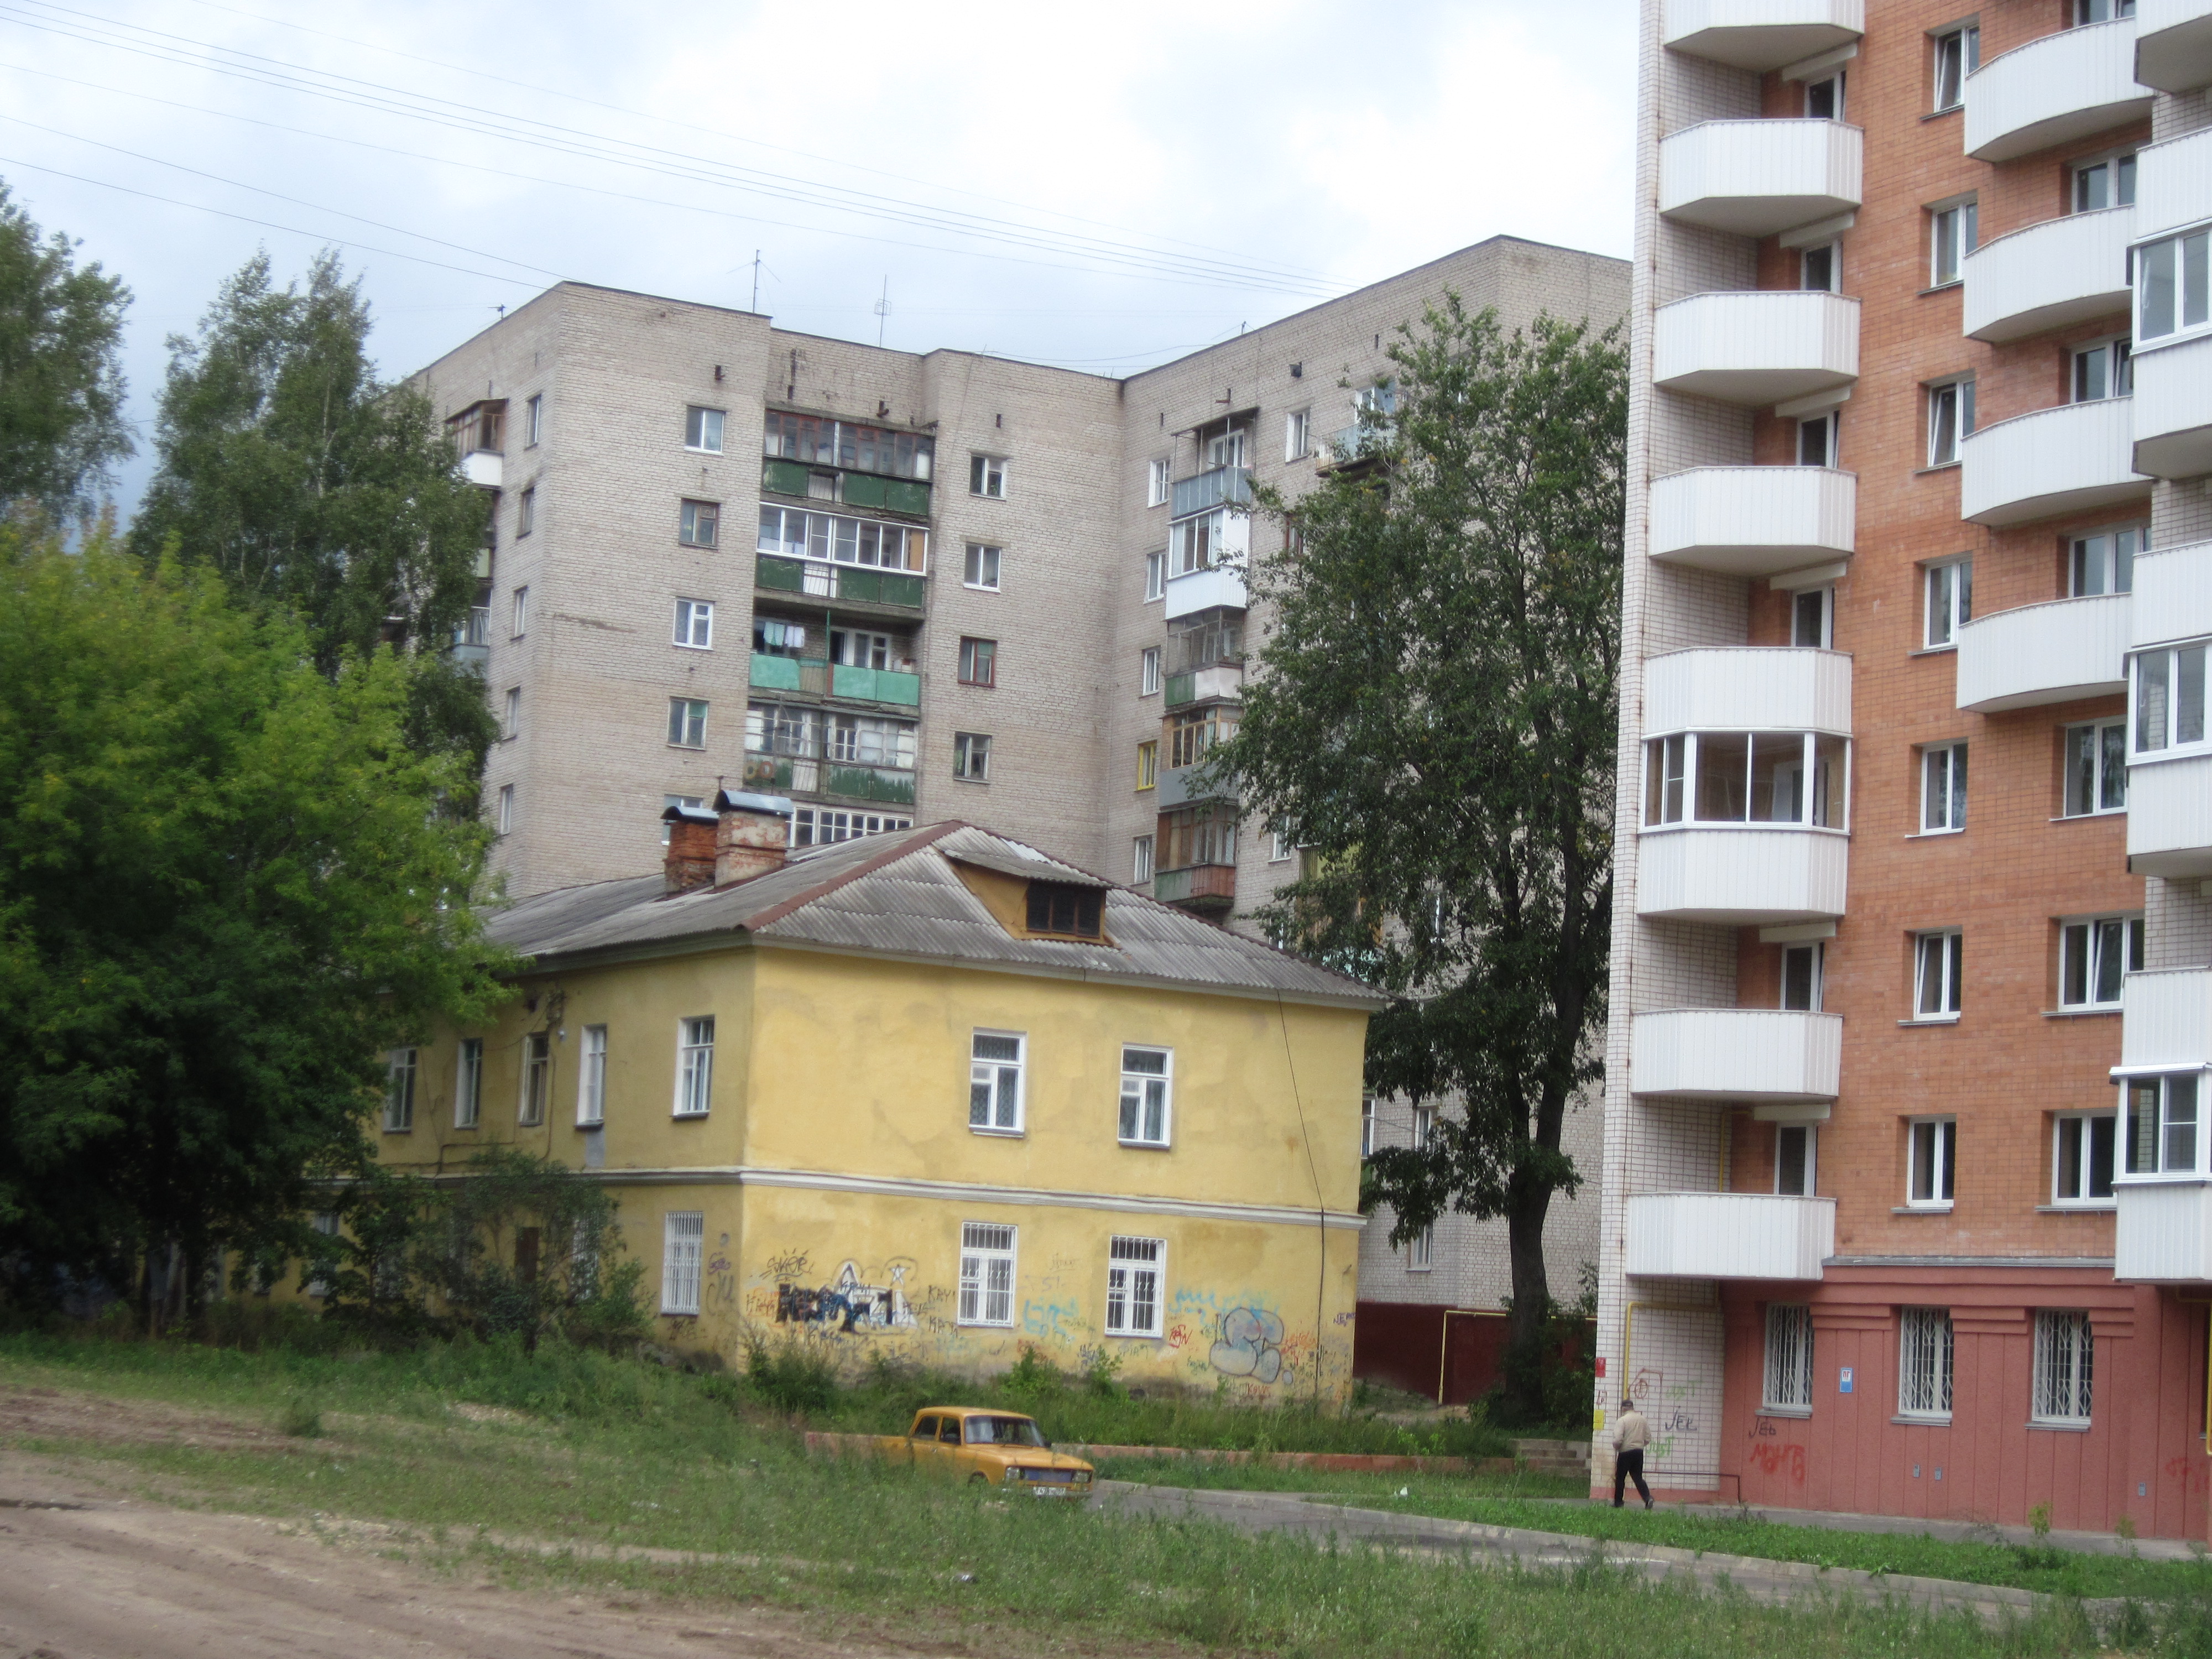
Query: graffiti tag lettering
{"type": "Point", "coordinates": [1250, 1344]}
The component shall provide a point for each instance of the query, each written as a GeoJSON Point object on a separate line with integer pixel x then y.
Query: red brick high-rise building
{"type": "Point", "coordinates": [1908, 1177]}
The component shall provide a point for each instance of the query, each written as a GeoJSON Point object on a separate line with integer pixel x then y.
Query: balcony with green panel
{"type": "Point", "coordinates": [816, 676]}
{"type": "Point", "coordinates": [844, 585]}
{"type": "Point", "coordinates": [872, 468]}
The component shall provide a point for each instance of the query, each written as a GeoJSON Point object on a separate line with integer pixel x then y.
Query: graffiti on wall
{"type": "Point", "coordinates": [847, 1304]}
{"type": "Point", "coordinates": [1250, 1344]}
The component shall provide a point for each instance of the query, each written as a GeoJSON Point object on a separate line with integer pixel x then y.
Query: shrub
{"type": "Point", "coordinates": [791, 1376]}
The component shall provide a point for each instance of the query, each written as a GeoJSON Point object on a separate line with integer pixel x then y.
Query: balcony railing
{"type": "Point", "coordinates": [1750, 1056]}
{"type": "Point", "coordinates": [2173, 44]}
{"type": "Point", "coordinates": [2058, 652]}
{"type": "Point", "coordinates": [2173, 594]}
{"type": "Point", "coordinates": [1197, 887]}
{"type": "Point", "coordinates": [788, 775]}
{"type": "Point", "coordinates": [1756, 178]}
{"type": "Point", "coordinates": [1741, 876]}
{"type": "Point", "coordinates": [2069, 458]}
{"type": "Point", "coordinates": [1221, 587]}
{"type": "Point", "coordinates": [2173, 184]}
{"type": "Point", "coordinates": [863, 489]}
{"type": "Point", "coordinates": [2063, 271]}
{"type": "Point", "coordinates": [2053, 90]}
{"type": "Point", "coordinates": [1754, 520]}
{"type": "Point", "coordinates": [1220, 644]}
{"type": "Point", "coordinates": [483, 467]}
{"type": "Point", "coordinates": [2174, 410]}
{"type": "Point", "coordinates": [2170, 817]}
{"type": "Point", "coordinates": [1728, 1235]}
{"type": "Point", "coordinates": [1204, 685]}
{"type": "Point", "coordinates": [850, 584]}
{"type": "Point", "coordinates": [1231, 485]}
{"type": "Point", "coordinates": [818, 677]}
{"type": "Point", "coordinates": [1766, 346]}
{"type": "Point", "coordinates": [1761, 34]}
{"type": "Point", "coordinates": [472, 639]}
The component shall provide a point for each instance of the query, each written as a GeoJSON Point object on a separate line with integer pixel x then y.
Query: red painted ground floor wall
{"type": "Point", "coordinates": [2142, 1457]}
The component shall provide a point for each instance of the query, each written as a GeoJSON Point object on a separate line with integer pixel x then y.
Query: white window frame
{"type": "Point", "coordinates": [695, 625]}
{"type": "Point", "coordinates": [1818, 438]}
{"type": "Point", "coordinates": [2065, 1363]}
{"type": "Point", "coordinates": [1672, 760]}
{"type": "Point", "coordinates": [2173, 1146]}
{"type": "Point", "coordinates": [1938, 975]}
{"type": "Point", "coordinates": [979, 570]}
{"type": "Point", "coordinates": [687, 722]}
{"type": "Point", "coordinates": [2181, 253]}
{"type": "Point", "coordinates": [1832, 253]}
{"type": "Point", "coordinates": [2173, 720]}
{"type": "Point", "coordinates": [1421, 1251]}
{"type": "Point", "coordinates": [1926, 1355]}
{"type": "Point", "coordinates": [1943, 784]}
{"type": "Point", "coordinates": [987, 476]}
{"type": "Point", "coordinates": [520, 613]}
{"type": "Point", "coordinates": [510, 715]}
{"type": "Point", "coordinates": [401, 1066]}
{"type": "Point", "coordinates": [2120, 177]}
{"type": "Point", "coordinates": [1156, 576]}
{"type": "Point", "coordinates": [1160, 474]}
{"type": "Point", "coordinates": [1816, 953]}
{"type": "Point", "coordinates": [985, 1246]}
{"type": "Point", "coordinates": [2086, 944]}
{"type": "Point", "coordinates": [1281, 849]}
{"type": "Point", "coordinates": [468, 1083]}
{"type": "Point", "coordinates": [703, 429]}
{"type": "Point", "coordinates": [2118, 370]}
{"type": "Point", "coordinates": [1425, 1127]}
{"type": "Point", "coordinates": [990, 1073]}
{"type": "Point", "coordinates": [536, 1079]}
{"type": "Point", "coordinates": [1808, 1167]}
{"type": "Point", "coordinates": [2079, 1128]}
{"type": "Point", "coordinates": [591, 1079]}
{"type": "Point", "coordinates": [1953, 65]}
{"type": "Point", "coordinates": [2088, 740]}
{"type": "Point", "coordinates": [1931, 1150]}
{"type": "Point", "coordinates": [1948, 601]}
{"type": "Point", "coordinates": [533, 420]}
{"type": "Point", "coordinates": [1148, 672]}
{"type": "Point", "coordinates": [1297, 434]}
{"type": "Point", "coordinates": [699, 523]}
{"type": "Point", "coordinates": [682, 1255]}
{"type": "Point", "coordinates": [2113, 550]}
{"type": "Point", "coordinates": [1787, 1383]}
{"type": "Point", "coordinates": [1953, 232]}
{"type": "Point", "coordinates": [972, 757]}
{"type": "Point", "coordinates": [1136, 1286]}
{"type": "Point", "coordinates": [1822, 601]}
{"type": "Point", "coordinates": [1141, 850]}
{"type": "Point", "coordinates": [1950, 419]}
{"type": "Point", "coordinates": [506, 809]}
{"type": "Point", "coordinates": [1146, 1108]}
{"type": "Point", "coordinates": [695, 1066]}
{"type": "Point", "coordinates": [1366, 1125]}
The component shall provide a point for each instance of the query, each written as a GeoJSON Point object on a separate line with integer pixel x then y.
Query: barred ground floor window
{"type": "Point", "coordinates": [1924, 1361]}
{"type": "Point", "coordinates": [1789, 1357]}
{"type": "Point", "coordinates": [2063, 1350]}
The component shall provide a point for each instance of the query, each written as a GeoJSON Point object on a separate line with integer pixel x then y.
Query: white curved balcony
{"type": "Point", "coordinates": [2165, 1018]}
{"type": "Point", "coordinates": [2173, 594]}
{"type": "Point", "coordinates": [1741, 877]}
{"type": "Point", "coordinates": [1755, 178]}
{"type": "Point", "coordinates": [1754, 520]}
{"type": "Point", "coordinates": [1777, 1056]}
{"type": "Point", "coordinates": [1767, 346]}
{"type": "Point", "coordinates": [2174, 410]}
{"type": "Point", "coordinates": [1760, 34]}
{"type": "Point", "coordinates": [2053, 90]}
{"type": "Point", "coordinates": [1728, 1235]}
{"type": "Point", "coordinates": [2059, 652]}
{"type": "Point", "coordinates": [1748, 687]}
{"type": "Point", "coordinates": [2162, 1231]}
{"type": "Point", "coordinates": [2173, 44]}
{"type": "Point", "coordinates": [2170, 817]}
{"type": "Point", "coordinates": [2063, 271]}
{"type": "Point", "coordinates": [2065, 459]}
{"type": "Point", "coordinates": [2173, 184]}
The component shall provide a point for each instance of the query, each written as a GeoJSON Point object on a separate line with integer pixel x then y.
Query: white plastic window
{"type": "Point", "coordinates": [695, 1066]}
{"type": "Point", "coordinates": [2095, 955]}
{"type": "Point", "coordinates": [1931, 1151]}
{"type": "Point", "coordinates": [2096, 768]}
{"type": "Point", "coordinates": [591, 1079]}
{"type": "Point", "coordinates": [1147, 1090]}
{"type": "Point", "coordinates": [987, 1273]}
{"type": "Point", "coordinates": [1133, 1271]}
{"type": "Point", "coordinates": [2169, 698]}
{"type": "Point", "coordinates": [994, 1081]}
{"type": "Point", "coordinates": [2159, 1133]}
{"type": "Point", "coordinates": [683, 1243]}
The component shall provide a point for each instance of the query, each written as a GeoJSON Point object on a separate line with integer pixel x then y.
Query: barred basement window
{"type": "Point", "coordinates": [680, 1248]}
{"type": "Point", "coordinates": [987, 1273]}
{"type": "Point", "coordinates": [2063, 1349]}
{"type": "Point", "coordinates": [1924, 1361]}
{"type": "Point", "coordinates": [1133, 1286]}
{"type": "Point", "coordinates": [1789, 1357]}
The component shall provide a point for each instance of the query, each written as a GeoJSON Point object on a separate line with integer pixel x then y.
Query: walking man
{"type": "Point", "coordinates": [1630, 1435]}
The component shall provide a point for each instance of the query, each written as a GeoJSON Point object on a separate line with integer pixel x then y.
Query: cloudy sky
{"type": "Point", "coordinates": [1102, 188]}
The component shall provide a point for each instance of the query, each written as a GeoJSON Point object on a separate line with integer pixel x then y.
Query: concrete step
{"type": "Point", "coordinates": [1570, 1458]}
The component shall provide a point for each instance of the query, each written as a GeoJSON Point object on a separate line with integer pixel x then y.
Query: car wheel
{"type": "Point", "coordinates": [979, 1480]}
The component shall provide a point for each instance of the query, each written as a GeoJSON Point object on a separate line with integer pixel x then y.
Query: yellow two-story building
{"type": "Point", "coordinates": [933, 1093]}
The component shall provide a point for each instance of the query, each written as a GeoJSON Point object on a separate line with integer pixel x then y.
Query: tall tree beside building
{"type": "Point", "coordinates": [224, 894]}
{"type": "Point", "coordinates": [1434, 722]}
{"type": "Point", "coordinates": [291, 470]}
{"type": "Point", "coordinates": [61, 371]}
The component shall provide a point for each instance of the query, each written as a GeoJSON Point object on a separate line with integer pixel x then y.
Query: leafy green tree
{"type": "Point", "coordinates": [61, 370]}
{"type": "Point", "coordinates": [224, 891]}
{"type": "Point", "coordinates": [290, 469]}
{"type": "Point", "coordinates": [1434, 720]}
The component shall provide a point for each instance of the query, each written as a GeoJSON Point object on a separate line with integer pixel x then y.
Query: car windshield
{"type": "Point", "coordinates": [1003, 1431]}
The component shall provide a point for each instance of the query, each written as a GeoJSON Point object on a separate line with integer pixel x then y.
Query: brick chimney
{"type": "Point", "coordinates": [690, 864]}
{"type": "Point", "coordinates": [752, 836]}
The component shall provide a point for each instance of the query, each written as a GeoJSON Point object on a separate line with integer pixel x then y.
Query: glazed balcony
{"type": "Point", "coordinates": [1230, 484]}
{"type": "Point", "coordinates": [2173, 423]}
{"type": "Point", "coordinates": [2173, 44]}
{"type": "Point", "coordinates": [1767, 346]}
{"type": "Point", "coordinates": [2055, 90]}
{"type": "Point", "coordinates": [2069, 458]}
{"type": "Point", "coordinates": [853, 780]}
{"type": "Point", "coordinates": [1756, 178]}
{"type": "Point", "coordinates": [1728, 1235]}
{"type": "Point", "coordinates": [843, 583]}
{"type": "Point", "coordinates": [1754, 521]}
{"type": "Point", "coordinates": [1761, 34]}
{"type": "Point", "coordinates": [1742, 1056]}
{"type": "Point", "coordinates": [817, 677]}
{"type": "Point", "coordinates": [2061, 272]}
{"type": "Point", "coordinates": [2058, 652]}
{"type": "Point", "coordinates": [1748, 688]}
{"type": "Point", "coordinates": [2164, 1228]}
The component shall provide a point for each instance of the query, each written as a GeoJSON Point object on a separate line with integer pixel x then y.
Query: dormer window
{"type": "Point", "coordinates": [1056, 907]}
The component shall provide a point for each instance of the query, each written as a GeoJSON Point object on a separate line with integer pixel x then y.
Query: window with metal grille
{"type": "Point", "coordinates": [1924, 1361]}
{"type": "Point", "coordinates": [1147, 1078]}
{"type": "Point", "coordinates": [1133, 1286]}
{"type": "Point", "coordinates": [994, 1081]}
{"type": "Point", "coordinates": [987, 1273]}
{"type": "Point", "coordinates": [2063, 1349]}
{"type": "Point", "coordinates": [695, 1066]}
{"type": "Point", "coordinates": [681, 1248]}
{"type": "Point", "coordinates": [1055, 907]}
{"type": "Point", "coordinates": [1789, 1357]}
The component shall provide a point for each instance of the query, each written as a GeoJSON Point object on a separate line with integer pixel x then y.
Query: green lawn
{"type": "Point", "coordinates": [573, 1447]}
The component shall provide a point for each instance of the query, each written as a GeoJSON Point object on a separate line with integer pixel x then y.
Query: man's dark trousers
{"type": "Point", "coordinates": [1629, 1466]}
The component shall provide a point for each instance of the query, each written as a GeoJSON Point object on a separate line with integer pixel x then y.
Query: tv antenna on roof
{"type": "Point", "coordinates": [883, 310]}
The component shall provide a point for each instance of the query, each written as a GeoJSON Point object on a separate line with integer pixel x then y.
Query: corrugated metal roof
{"type": "Point", "coordinates": [899, 894]}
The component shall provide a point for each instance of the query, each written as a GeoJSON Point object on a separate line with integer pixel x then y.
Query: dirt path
{"type": "Point", "coordinates": [87, 1575]}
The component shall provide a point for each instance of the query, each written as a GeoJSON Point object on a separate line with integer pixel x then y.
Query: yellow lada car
{"type": "Point", "coordinates": [990, 1448]}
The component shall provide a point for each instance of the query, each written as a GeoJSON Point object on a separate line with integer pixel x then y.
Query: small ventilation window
{"type": "Point", "coordinates": [1055, 908]}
